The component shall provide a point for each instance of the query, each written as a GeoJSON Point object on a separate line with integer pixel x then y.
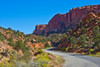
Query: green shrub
{"type": "Point", "coordinates": [69, 30]}
{"type": "Point", "coordinates": [47, 45]}
{"type": "Point", "coordinates": [73, 40]}
{"type": "Point", "coordinates": [83, 30]}
{"type": "Point", "coordinates": [21, 64]}
{"type": "Point", "coordinates": [1, 65]}
{"type": "Point", "coordinates": [27, 56]}
{"type": "Point", "coordinates": [1, 37]}
{"type": "Point", "coordinates": [24, 64]}
{"type": "Point", "coordinates": [43, 60]}
{"type": "Point", "coordinates": [97, 40]}
{"type": "Point", "coordinates": [91, 50]}
{"type": "Point", "coordinates": [11, 42]}
{"type": "Point", "coordinates": [96, 30]}
{"type": "Point", "coordinates": [9, 29]}
{"type": "Point", "coordinates": [87, 21]}
{"type": "Point", "coordinates": [6, 64]}
{"type": "Point", "coordinates": [75, 33]}
{"type": "Point", "coordinates": [19, 45]}
{"type": "Point", "coordinates": [63, 49]}
{"type": "Point", "coordinates": [82, 40]}
{"type": "Point", "coordinates": [67, 48]}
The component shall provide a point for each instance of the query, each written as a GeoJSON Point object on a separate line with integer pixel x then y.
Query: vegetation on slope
{"type": "Point", "coordinates": [20, 50]}
{"type": "Point", "coordinates": [84, 38]}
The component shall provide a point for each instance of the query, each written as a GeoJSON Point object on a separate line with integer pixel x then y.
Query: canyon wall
{"type": "Point", "coordinates": [60, 23]}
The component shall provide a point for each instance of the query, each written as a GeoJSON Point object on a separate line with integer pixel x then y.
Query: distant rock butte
{"type": "Point", "coordinates": [60, 23]}
{"type": "Point", "coordinates": [39, 29]}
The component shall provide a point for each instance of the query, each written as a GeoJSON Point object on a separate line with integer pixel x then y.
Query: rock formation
{"type": "Point", "coordinates": [39, 29]}
{"type": "Point", "coordinates": [60, 23]}
{"type": "Point", "coordinates": [86, 29]}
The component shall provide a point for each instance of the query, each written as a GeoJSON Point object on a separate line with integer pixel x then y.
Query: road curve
{"type": "Point", "coordinates": [74, 60]}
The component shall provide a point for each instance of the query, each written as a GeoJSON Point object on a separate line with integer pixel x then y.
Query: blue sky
{"type": "Point", "coordinates": [24, 15]}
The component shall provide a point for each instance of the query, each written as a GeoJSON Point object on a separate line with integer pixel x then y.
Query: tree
{"type": "Point", "coordinates": [83, 30]}
{"type": "Point", "coordinates": [1, 37]}
{"type": "Point", "coordinates": [19, 45]}
{"type": "Point", "coordinates": [47, 45]}
{"type": "Point", "coordinates": [73, 40]}
{"type": "Point", "coordinates": [75, 33]}
{"type": "Point", "coordinates": [69, 30]}
{"type": "Point", "coordinates": [97, 40]}
{"type": "Point", "coordinates": [68, 38]}
{"type": "Point", "coordinates": [96, 30]}
{"type": "Point", "coordinates": [11, 42]}
{"type": "Point", "coordinates": [9, 29]}
{"type": "Point", "coordinates": [82, 40]}
{"type": "Point", "coordinates": [27, 56]}
{"type": "Point", "coordinates": [87, 21]}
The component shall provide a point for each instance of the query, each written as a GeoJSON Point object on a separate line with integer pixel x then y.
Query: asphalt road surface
{"type": "Point", "coordinates": [74, 60]}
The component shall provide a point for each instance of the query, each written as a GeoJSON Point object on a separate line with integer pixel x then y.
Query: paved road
{"type": "Point", "coordinates": [74, 60]}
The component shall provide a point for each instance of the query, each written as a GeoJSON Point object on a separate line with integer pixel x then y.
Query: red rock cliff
{"type": "Point", "coordinates": [61, 22]}
{"type": "Point", "coordinates": [39, 29]}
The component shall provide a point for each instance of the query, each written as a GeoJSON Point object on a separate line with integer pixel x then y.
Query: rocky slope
{"type": "Point", "coordinates": [20, 50]}
{"type": "Point", "coordinates": [60, 23]}
{"type": "Point", "coordinates": [11, 40]}
{"type": "Point", "coordinates": [85, 37]}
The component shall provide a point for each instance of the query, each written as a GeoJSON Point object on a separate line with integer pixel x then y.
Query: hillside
{"type": "Point", "coordinates": [84, 38]}
{"type": "Point", "coordinates": [60, 23]}
{"type": "Point", "coordinates": [20, 50]}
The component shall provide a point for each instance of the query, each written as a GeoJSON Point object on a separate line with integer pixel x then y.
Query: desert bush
{"type": "Point", "coordinates": [1, 37]}
{"type": "Point", "coordinates": [7, 64]}
{"type": "Point", "coordinates": [91, 50]}
{"type": "Point", "coordinates": [73, 40]}
{"type": "Point", "coordinates": [96, 30]}
{"type": "Point", "coordinates": [82, 40]}
{"type": "Point", "coordinates": [69, 30]}
{"type": "Point", "coordinates": [24, 64]}
{"type": "Point", "coordinates": [1, 65]}
{"type": "Point", "coordinates": [9, 29]}
{"type": "Point", "coordinates": [27, 56]}
{"type": "Point", "coordinates": [19, 45]}
{"type": "Point", "coordinates": [67, 48]}
{"type": "Point", "coordinates": [20, 64]}
{"type": "Point", "coordinates": [63, 49]}
{"type": "Point", "coordinates": [97, 40]}
{"type": "Point", "coordinates": [11, 42]}
{"type": "Point", "coordinates": [83, 30]}
{"type": "Point", "coordinates": [47, 45]}
{"type": "Point", "coordinates": [87, 21]}
{"type": "Point", "coordinates": [42, 60]}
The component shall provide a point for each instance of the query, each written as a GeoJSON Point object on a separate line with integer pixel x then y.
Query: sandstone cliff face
{"type": "Point", "coordinates": [39, 29]}
{"type": "Point", "coordinates": [61, 22]}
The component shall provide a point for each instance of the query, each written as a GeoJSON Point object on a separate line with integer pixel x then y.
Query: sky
{"type": "Point", "coordinates": [24, 15]}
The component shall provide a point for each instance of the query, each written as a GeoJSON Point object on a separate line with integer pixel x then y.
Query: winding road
{"type": "Point", "coordinates": [74, 60]}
